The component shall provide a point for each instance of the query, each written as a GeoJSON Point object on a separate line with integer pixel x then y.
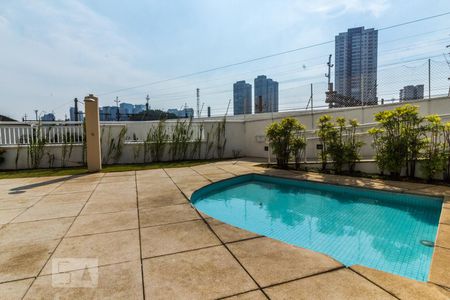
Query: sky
{"type": "Point", "coordinates": [54, 51]}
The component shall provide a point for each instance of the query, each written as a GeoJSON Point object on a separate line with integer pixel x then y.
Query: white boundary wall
{"type": "Point", "coordinates": [245, 134]}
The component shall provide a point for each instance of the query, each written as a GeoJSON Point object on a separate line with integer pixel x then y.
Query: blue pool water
{"type": "Point", "coordinates": [356, 226]}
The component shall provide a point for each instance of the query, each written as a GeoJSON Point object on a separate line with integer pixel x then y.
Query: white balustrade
{"type": "Point", "coordinates": [24, 134]}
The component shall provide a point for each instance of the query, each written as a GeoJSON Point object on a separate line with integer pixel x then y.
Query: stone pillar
{"type": "Point", "coordinates": [93, 147]}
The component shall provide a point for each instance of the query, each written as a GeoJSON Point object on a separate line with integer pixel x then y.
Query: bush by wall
{"type": "Point", "coordinates": [403, 138]}
{"type": "Point", "coordinates": [339, 143]}
{"type": "Point", "coordinates": [287, 139]}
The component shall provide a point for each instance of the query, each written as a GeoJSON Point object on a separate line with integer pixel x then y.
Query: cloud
{"type": "Point", "coordinates": [51, 54]}
{"type": "Point", "coordinates": [334, 8]}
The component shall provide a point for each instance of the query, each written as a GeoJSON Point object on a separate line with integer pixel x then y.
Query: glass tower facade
{"type": "Point", "coordinates": [266, 95]}
{"type": "Point", "coordinates": [242, 98]}
{"type": "Point", "coordinates": [356, 53]}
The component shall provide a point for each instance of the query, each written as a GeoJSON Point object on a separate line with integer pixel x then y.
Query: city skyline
{"type": "Point", "coordinates": [112, 53]}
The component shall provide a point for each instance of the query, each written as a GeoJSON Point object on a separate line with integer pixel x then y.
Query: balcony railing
{"type": "Point", "coordinates": [53, 133]}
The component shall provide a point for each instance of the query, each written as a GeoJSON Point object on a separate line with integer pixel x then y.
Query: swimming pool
{"type": "Point", "coordinates": [356, 226]}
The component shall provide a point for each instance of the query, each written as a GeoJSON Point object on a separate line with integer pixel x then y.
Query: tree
{"type": "Point", "coordinates": [152, 115]}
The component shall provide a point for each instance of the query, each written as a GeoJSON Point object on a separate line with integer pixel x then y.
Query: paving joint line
{"type": "Point", "coordinates": [180, 252]}
{"type": "Point", "coordinates": [18, 279]}
{"type": "Point", "coordinates": [39, 220]}
{"type": "Point", "coordinates": [238, 294]}
{"type": "Point", "coordinates": [374, 283]}
{"type": "Point", "coordinates": [443, 247]}
{"type": "Point", "coordinates": [304, 277]}
{"type": "Point", "coordinates": [446, 288]}
{"type": "Point", "coordinates": [140, 237]}
{"type": "Point", "coordinates": [246, 239]}
{"type": "Point", "coordinates": [95, 233]}
{"type": "Point", "coordinates": [93, 267]}
{"type": "Point", "coordinates": [224, 245]}
{"type": "Point", "coordinates": [161, 206]}
{"type": "Point", "coordinates": [40, 199]}
{"type": "Point", "coordinates": [233, 255]}
{"type": "Point", "coordinates": [60, 241]}
{"type": "Point", "coordinates": [171, 223]}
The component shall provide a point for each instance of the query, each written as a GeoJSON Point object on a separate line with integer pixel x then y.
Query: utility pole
{"type": "Point", "coordinates": [147, 105]}
{"type": "Point", "coordinates": [209, 111]}
{"type": "Point", "coordinates": [117, 104]}
{"type": "Point", "coordinates": [329, 94]}
{"type": "Point", "coordinates": [429, 79]}
{"type": "Point", "coordinates": [198, 103]}
{"type": "Point", "coordinates": [36, 113]}
{"type": "Point", "coordinates": [328, 75]}
{"type": "Point", "coordinates": [76, 109]}
{"type": "Point", "coordinates": [228, 107]}
{"type": "Point", "coordinates": [310, 101]}
{"type": "Point", "coordinates": [201, 109]}
{"type": "Point", "coordinates": [448, 63]}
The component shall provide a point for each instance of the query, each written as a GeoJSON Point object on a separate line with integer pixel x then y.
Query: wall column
{"type": "Point", "coordinates": [93, 147]}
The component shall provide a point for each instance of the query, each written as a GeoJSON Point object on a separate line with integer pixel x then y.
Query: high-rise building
{"type": "Point", "coordinates": [109, 113]}
{"type": "Point", "coordinates": [411, 92]}
{"type": "Point", "coordinates": [186, 112]}
{"type": "Point", "coordinates": [266, 95]}
{"type": "Point", "coordinates": [138, 108]}
{"type": "Point", "coordinates": [242, 98]}
{"type": "Point", "coordinates": [356, 53]}
{"type": "Point", "coordinates": [48, 117]}
{"type": "Point", "coordinates": [126, 108]}
{"type": "Point", "coordinates": [72, 114]}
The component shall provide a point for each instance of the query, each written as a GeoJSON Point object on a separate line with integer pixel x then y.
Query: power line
{"type": "Point", "coordinates": [414, 21]}
{"type": "Point", "coordinates": [423, 44]}
{"type": "Point", "coordinates": [264, 57]}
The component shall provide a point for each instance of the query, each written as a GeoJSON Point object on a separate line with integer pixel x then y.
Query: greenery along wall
{"type": "Point", "coordinates": [401, 140]}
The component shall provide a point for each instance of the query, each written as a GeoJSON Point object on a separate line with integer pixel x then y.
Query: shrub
{"type": "Point", "coordinates": [433, 155]}
{"type": "Point", "coordinates": [298, 146]}
{"type": "Point", "coordinates": [352, 146]}
{"type": "Point", "coordinates": [446, 151]}
{"type": "Point", "coordinates": [155, 142]}
{"type": "Point", "coordinates": [398, 140]}
{"type": "Point", "coordinates": [339, 142]}
{"type": "Point", "coordinates": [336, 144]}
{"type": "Point", "coordinates": [36, 147]}
{"type": "Point", "coordinates": [325, 132]}
{"type": "Point", "coordinates": [287, 139]}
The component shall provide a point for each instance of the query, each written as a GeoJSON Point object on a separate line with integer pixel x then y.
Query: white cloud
{"type": "Point", "coordinates": [60, 52]}
{"type": "Point", "coordinates": [335, 8]}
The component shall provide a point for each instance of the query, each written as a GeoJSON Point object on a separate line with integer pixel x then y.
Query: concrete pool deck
{"type": "Point", "coordinates": [134, 235]}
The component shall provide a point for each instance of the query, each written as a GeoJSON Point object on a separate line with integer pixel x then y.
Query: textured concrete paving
{"type": "Point", "coordinates": [134, 235]}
